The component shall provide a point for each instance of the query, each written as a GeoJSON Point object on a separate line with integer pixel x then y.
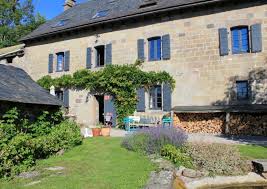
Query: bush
{"type": "Point", "coordinates": [218, 159]}
{"type": "Point", "coordinates": [177, 156]}
{"type": "Point", "coordinates": [17, 155]}
{"type": "Point", "coordinates": [151, 140]}
{"type": "Point", "coordinates": [63, 136]}
{"type": "Point", "coordinates": [23, 141]}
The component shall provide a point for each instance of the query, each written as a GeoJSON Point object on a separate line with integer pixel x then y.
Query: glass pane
{"type": "Point", "coordinates": [60, 61]}
{"type": "Point", "coordinates": [242, 89]}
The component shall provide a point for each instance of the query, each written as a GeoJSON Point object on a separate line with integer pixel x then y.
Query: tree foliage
{"type": "Point", "coordinates": [120, 81]}
{"type": "Point", "coordinates": [17, 19]}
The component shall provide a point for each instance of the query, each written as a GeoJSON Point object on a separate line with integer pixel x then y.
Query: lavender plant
{"type": "Point", "coordinates": [151, 140]}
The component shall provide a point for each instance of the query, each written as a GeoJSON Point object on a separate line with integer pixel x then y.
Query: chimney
{"type": "Point", "coordinates": [69, 4]}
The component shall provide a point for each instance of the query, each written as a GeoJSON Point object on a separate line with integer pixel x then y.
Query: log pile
{"type": "Point", "coordinates": [212, 123]}
{"type": "Point", "coordinates": [248, 124]}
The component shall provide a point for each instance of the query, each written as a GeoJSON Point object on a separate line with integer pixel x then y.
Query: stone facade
{"type": "Point", "coordinates": [203, 77]}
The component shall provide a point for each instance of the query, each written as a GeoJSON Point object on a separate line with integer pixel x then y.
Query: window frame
{"type": "Point", "coordinates": [154, 99]}
{"type": "Point", "coordinates": [157, 42]}
{"type": "Point", "coordinates": [240, 97]}
{"type": "Point", "coordinates": [240, 39]}
{"type": "Point", "coordinates": [97, 59]}
{"type": "Point", "coordinates": [63, 61]}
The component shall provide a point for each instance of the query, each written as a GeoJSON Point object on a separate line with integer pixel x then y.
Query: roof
{"type": "Point", "coordinates": [83, 15]}
{"type": "Point", "coordinates": [17, 86]}
{"type": "Point", "coordinates": [11, 50]}
{"type": "Point", "coordinates": [248, 108]}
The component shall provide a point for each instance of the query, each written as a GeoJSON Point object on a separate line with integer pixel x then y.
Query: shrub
{"type": "Point", "coordinates": [151, 140]}
{"type": "Point", "coordinates": [63, 136]}
{"type": "Point", "coordinates": [177, 156]}
{"type": "Point", "coordinates": [23, 141]}
{"type": "Point", "coordinates": [17, 155]}
{"type": "Point", "coordinates": [218, 159]}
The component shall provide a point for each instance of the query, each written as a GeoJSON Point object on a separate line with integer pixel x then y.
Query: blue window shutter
{"type": "Point", "coordinates": [108, 58]}
{"type": "Point", "coordinates": [244, 39]}
{"type": "Point", "coordinates": [67, 61]}
{"type": "Point", "coordinates": [236, 44]}
{"type": "Point", "coordinates": [89, 58]}
{"type": "Point", "coordinates": [256, 38]}
{"type": "Point", "coordinates": [223, 38]}
{"type": "Point", "coordinates": [151, 50]}
{"type": "Point", "coordinates": [167, 97]}
{"type": "Point", "coordinates": [66, 98]}
{"type": "Point", "coordinates": [166, 47]}
{"type": "Point", "coordinates": [158, 51]}
{"type": "Point", "coordinates": [141, 49]}
{"type": "Point", "coordinates": [109, 108]}
{"type": "Point", "coordinates": [50, 63]}
{"type": "Point", "coordinates": [141, 106]}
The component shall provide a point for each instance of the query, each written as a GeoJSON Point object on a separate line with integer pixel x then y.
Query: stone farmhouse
{"type": "Point", "coordinates": [215, 49]}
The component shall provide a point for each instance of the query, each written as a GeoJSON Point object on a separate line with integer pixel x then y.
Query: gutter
{"type": "Point", "coordinates": [123, 18]}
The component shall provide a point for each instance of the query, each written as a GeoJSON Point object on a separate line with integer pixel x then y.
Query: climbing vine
{"type": "Point", "coordinates": [120, 81]}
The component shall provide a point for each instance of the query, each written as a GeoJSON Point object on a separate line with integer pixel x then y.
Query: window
{"type": "Point", "coordinates": [242, 90]}
{"type": "Point", "coordinates": [155, 98]}
{"type": "Point", "coordinates": [149, 3]}
{"type": "Point", "coordinates": [154, 46]}
{"type": "Point", "coordinates": [100, 55]}
{"type": "Point", "coordinates": [59, 95]}
{"type": "Point", "coordinates": [60, 61]}
{"type": "Point", "coordinates": [240, 40]}
{"type": "Point", "coordinates": [100, 14]}
{"type": "Point", "coordinates": [61, 23]}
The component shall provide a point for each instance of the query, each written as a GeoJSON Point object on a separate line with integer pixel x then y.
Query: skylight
{"type": "Point", "coordinates": [148, 3]}
{"type": "Point", "coordinates": [100, 14]}
{"type": "Point", "coordinates": [61, 23]}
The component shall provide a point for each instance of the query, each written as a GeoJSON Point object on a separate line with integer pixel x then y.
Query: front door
{"type": "Point", "coordinates": [109, 108]}
{"type": "Point", "coordinates": [100, 100]}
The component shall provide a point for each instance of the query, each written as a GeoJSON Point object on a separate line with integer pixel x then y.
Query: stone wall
{"type": "Point", "coordinates": [202, 76]}
{"type": "Point", "coordinates": [254, 124]}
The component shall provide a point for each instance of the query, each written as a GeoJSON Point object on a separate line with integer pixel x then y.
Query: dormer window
{"type": "Point", "coordinates": [61, 23]}
{"type": "Point", "coordinates": [100, 14]}
{"type": "Point", "coordinates": [148, 3]}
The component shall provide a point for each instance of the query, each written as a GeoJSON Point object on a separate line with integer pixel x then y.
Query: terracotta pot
{"type": "Point", "coordinates": [96, 132]}
{"type": "Point", "coordinates": [105, 131]}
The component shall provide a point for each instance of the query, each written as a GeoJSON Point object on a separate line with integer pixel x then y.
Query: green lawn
{"type": "Point", "coordinates": [253, 151]}
{"type": "Point", "coordinates": [98, 164]}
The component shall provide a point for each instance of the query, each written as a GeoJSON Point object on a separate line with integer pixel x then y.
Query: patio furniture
{"type": "Point", "coordinates": [167, 122]}
{"type": "Point", "coordinates": [133, 123]}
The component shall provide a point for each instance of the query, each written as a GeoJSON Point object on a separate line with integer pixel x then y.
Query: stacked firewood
{"type": "Point", "coordinates": [248, 124]}
{"type": "Point", "coordinates": [200, 123]}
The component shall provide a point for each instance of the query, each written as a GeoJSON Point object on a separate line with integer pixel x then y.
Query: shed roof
{"type": "Point", "coordinates": [84, 14]}
{"type": "Point", "coordinates": [11, 50]}
{"type": "Point", "coordinates": [246, 108]}
{"type": "Point", "coordinates": [17, 86]}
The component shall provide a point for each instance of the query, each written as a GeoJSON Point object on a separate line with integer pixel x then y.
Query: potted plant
{"type": "Point", "coordinates": [96, 130]}
{"type": "Point", "coordinates": [105, 130]}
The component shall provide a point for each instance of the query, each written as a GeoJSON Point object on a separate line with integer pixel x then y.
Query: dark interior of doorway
{"type": "Point", "coordinates": [100, 100]}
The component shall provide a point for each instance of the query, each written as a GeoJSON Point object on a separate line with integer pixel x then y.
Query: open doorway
{"type": "Point", "coordinates": [100, 100]}
{"type": "Point", "coordinates": [100, 55]}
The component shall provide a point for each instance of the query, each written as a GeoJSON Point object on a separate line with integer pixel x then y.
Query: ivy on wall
{"type": "Point", "coordinates": [120, 81]}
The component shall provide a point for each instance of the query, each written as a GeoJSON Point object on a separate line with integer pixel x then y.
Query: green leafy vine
{"type": "Point", "coordinates": [120, 81]}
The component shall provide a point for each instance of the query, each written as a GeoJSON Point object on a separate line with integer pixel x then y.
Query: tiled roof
{"type": "Point", "coordinates": [83, 15]}
{"type": "Point", "coordinates": [17, 86]}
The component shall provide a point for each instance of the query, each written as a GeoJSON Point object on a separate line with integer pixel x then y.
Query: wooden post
{"type": "Point", "coordinates": [227, 122]}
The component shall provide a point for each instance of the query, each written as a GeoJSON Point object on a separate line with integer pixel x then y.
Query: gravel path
{"type": "Point", "coordinates": [227, 139]}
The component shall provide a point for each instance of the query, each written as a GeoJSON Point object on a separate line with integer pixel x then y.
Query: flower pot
{"type": "Point", "coordinates": [105, 131]}
{"type": "Point", "coordinates": [96, 132]}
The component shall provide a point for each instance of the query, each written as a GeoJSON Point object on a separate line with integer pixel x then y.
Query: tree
{"type": "Point", "coordinates": [17, 19]}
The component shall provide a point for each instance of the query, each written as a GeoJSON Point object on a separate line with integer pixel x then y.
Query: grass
{"type": "Point", "coordinates": [253, 151]}
{"type": "Point", "coordinates": [99, 163]}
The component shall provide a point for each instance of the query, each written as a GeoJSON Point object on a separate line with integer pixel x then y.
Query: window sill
{"type": "Point", "coordinates": [59, 70]}
{"type": "Point", "coordinates": [240, 53]}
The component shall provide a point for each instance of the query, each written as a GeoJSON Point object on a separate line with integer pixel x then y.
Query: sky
{"type": "Point", "coordinates": [50, 8]}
